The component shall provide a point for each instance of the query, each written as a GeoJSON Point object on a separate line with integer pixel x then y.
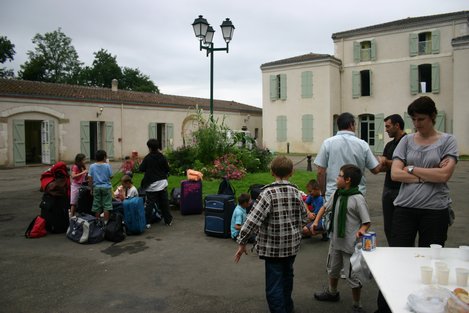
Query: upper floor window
{"type": "Point", "coordinates": [424, 78]}
{"type": "Point", "coordinates": [278, 87]}
{"type": "Point", "coordinates": [424, 43]}
{"type": "Point", "coordinates": [361, 83]}
{"type": "Point", "coordinates": [364, 51]}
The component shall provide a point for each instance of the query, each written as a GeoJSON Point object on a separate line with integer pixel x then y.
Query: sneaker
{"type": "Point", "coordinates": [148, 226]}
{"type": "Point", "coordinates": [169, 224]}
{"type": "Point", "coordinates": [325, 237]}
{"type": "Point", "coordinates": [327, 296]}
{"type": "Point", "coordinates": [357, 309]}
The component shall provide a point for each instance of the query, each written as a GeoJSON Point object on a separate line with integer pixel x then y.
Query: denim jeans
{"type": "Point", "coordinates": [279, 284]}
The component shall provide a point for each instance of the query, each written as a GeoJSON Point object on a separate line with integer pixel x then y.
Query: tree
{"type": "Point", "coordinates": [7, 51]}
{"type": "Point", "coordinates": [133, 79]}
{"type": "Point", "coordinates": [54, 59]}
{"type": "Point", "coordinates": [103, 70]}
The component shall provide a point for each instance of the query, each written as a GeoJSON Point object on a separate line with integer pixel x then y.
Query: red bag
{"type": "Point", "coordinates": [37, 228]}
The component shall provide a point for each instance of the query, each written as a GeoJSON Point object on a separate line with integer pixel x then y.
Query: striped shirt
{"type": "Point", "coordinates": [278, 217]}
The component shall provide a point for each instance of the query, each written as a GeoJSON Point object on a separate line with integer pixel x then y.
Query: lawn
{"type": "Point", "coordinates": [300, 178]}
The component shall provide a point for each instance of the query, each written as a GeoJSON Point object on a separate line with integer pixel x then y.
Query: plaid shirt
{"type": "Point", "coordinates": [278, 218]}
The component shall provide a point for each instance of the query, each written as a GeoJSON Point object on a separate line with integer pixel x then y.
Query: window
{"type": "Point", "coordinates": [361, 83]}
{"type": "Point", "coordinates": [424, 78]}
{"type": "Point", "coordinates": [307, 128]}
{"type": "Point", "coordinates": [307, 84]}
{"type": "Point", "coordinates": [281, 128]}
{"type": "Point", "coordinates": [367, 128]}
{"type": "Point", "coordinates": [424, 43]}
{"type": "Point", "coordinates": [278, 87]}
{"type": "Point", "coordinates": [364, 51]}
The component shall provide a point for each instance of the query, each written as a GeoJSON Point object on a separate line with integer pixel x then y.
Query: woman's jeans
{"type": "Point", "coordinates": [279, 284]}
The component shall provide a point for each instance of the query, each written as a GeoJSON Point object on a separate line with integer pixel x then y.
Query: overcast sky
{"type": "Point", "coordinates": [156, 36]}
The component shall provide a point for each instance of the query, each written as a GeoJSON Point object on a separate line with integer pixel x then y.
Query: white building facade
{"type": "Point", "coordinates": [375, 71]}
{"type": "Point", "coordinates": [45, 123]}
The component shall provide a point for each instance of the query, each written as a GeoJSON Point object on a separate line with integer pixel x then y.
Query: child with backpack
{"type": "Point", "coordinates": [99, 178]}
{"type": "Point", "coordinates": [278, 217]}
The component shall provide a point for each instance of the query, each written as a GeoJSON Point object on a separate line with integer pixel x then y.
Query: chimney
{"type": "Point", "coordinates": [114, 85]}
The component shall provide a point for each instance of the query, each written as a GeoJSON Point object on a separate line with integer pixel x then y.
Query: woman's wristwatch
{"type": "Point", "coordinates": [410, 169]}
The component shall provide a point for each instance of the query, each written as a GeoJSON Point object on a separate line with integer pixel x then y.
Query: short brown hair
{"type": "Point", "coordinates": [126, 179]}
{"type": "Point", "coordinates": [281, 166]}
{"type": "Point", "coordinates": [244, 198]}
{"type": "Point", "coordinates": [353, 172]}
{"type": "Point", "coordinates": [313, 183]}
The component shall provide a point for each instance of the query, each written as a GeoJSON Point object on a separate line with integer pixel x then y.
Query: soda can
{"type": "Point", "coordinates": [373, 240]}
{"type": "Point", "coordinates": [367, 242]}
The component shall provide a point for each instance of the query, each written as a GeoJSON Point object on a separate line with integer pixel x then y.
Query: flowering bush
{"type": "Point", "coordinates": [228, 166]}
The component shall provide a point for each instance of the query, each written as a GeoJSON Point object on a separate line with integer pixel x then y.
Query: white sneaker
{"type": "Point", "coordinates": [148, 226]}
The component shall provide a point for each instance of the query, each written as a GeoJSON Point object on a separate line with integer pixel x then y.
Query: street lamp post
{"type": "Point", "coordinates": [204, 32]}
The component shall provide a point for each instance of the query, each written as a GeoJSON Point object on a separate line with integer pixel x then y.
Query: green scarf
{"type": "Point", "coordinates": [342, 218]}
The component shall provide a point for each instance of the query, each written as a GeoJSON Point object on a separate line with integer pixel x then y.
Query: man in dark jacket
{"type": "Point", "coordinates": [155, 182]}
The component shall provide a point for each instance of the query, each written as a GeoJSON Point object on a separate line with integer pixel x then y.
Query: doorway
{"type": "Point", "coordinates": [33, 146]}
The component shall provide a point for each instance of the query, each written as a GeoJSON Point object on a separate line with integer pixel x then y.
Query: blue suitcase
{"type": "Point", "coordinates": [191, 197]}
{"type": "Point", "coordinates": [134, 216]}
{"type": "Point", "coordinates": [218, 212]}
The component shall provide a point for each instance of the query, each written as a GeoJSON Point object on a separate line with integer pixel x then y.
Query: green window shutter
{"type": "Point", "coordinates": [281, 128]}
{"type": "Point", "coordinates": [109, 139]}
{"type": "Point", "coordinates": [307, 84]}
{"type": "Point", "coordinates": [414, 79]}
{"type": "Point", "coordinates": [85, 138]}
{"type": "Point", "coordinates": [356, 51]}
{"type": "Point", "coordinates": [356, 92]}
{"type": "Point", "coordinates": [408, 125]}
{"type": "Point", "coordinates": [436, 41]}
{"type": "Point", "coordinates": [373, 50]}
{"type": "Point", "coordinates": [283, 86]}
{"type": "Point", "coordinates": [307, 128]}
{"type": "Point", "coordinates": [19, 143]}
{"type": "Point", "coordinates": [435, 78]}
{"type": "Point", "coordinates": [151, 130]}
{"type": "Point", "coordinates": [273, 87]}
{"type": "Point", "coordinates": [371, 82]}
{"type": "Point", "coordinates": [52, 141]}
{"type": "Point", "coordinates": [169, 135]}
{"type": "Point", "coordinates": [440, 121]}
{"type": "Point", "coordinates": [413, 44]}
{"type": "Point", "coordinates": [379, 134]}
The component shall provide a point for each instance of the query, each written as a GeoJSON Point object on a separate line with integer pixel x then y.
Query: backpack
{"type": "Point", "coordinates": [114, 230]}
{"type": "Point", "coordinates": [175, 197]}
{"type": "Point", "coordinates": [255, 190]}
{"type": "Point", "coordinates": [37, 228]}
{"type": "Point", "coordinates": [226, 188]}
{"type": "Point", "coordinates": [85, 228]}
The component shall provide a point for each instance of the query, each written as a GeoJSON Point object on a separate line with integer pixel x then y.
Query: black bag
{"type": "Point", "coordinates": [255, 190]}
{"type": "Point", "coordinates": [114, 230]}
{"type": "Point", "coordinates": [85, 199]}
{"type": "Point", "coordinates": [54, 209]}
{"type": "Point", "coordinates": [85, 228]}
{"type": "Point", "coordinates": [226, 188]}
{"type": "Point", "coordinates": [175, 197]}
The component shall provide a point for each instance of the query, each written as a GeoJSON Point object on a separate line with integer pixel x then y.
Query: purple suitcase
{"type": "Point", "coordinates": [191, 197]}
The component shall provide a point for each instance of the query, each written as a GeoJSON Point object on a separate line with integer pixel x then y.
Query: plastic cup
{"type": "Point", "coordinates": [461, 276]}
{"type": "Point", "coordinates": [426, 273]}
{"type": "Point", "coordinates": [441, 264]}
{"type": "Point", "coordinates": [464, 253]}
{"type": "Point", "coordinates": [436, 251]}
{"type": "Point", "coordinates": [442, 275]}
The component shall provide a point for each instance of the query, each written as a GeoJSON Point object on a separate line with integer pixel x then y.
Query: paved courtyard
{"type": "Point", "coordinates": [166, 269]}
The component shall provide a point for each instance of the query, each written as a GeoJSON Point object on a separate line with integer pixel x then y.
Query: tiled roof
{"type": "Point", "coordinates": [404, 23]}
{"type": "Point", "coordinates": [300, 59]}
{"type": "Point", "coordinates": [64, 92]}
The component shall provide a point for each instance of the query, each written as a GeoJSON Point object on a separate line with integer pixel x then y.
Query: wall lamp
{"type": "Point", "coordinates": [100, 111]}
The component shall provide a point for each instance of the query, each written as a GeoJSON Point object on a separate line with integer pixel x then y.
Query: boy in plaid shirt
{"type": "Point", "coordinates": [278, 218]}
